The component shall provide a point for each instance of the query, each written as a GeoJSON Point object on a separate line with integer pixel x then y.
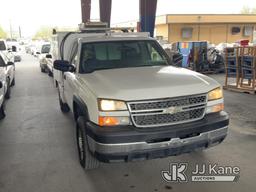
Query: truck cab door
{"type": "Point", "coordinates": [69, 78]}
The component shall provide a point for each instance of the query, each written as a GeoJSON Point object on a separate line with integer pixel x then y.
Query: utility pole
{"type": "Point", "coordinates": [11, 28]}
{"type": "Point", "coordinates": [105, 11]}
{"type": "Point", "coordinates": [86, 10]}
{"type": "Point", "coordinates": [148, 15]}
{"type": "Point", "coordinates": [20, 31]}
{"type": "Point", "coordinates": [199, 28]}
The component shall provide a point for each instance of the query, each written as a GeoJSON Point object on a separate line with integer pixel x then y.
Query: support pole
{"type": "Point", "coordinates": [105, 11]}
{"type": "Point", "coordinates": [86, 10]}
{"type": "Point", "coordinates": [148, 16]}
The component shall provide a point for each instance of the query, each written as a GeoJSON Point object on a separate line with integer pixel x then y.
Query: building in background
{"type": "Point", "coordinates": [214, 28]}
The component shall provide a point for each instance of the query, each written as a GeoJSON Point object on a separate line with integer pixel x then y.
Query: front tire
{"type": "Point", "coordinates": [42, 69]}
{"type": "Point", "coordinates": [8, 92]}
{"type": "Point", "coordinates": [2, 112]}
{"type": "Point", "coordinates": [13, 82]}
{"type": "Point", "coordinates": [86, 159]}
{"type": "Point", "coordinates": [50, 74]}
{"type": "Point", "coordinates": [63, 106]}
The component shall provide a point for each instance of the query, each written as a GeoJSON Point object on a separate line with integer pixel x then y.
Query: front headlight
{"type": "Point", "coordinates": [111, 105]}
{"type": "Point", "coordinates": [215, 94]}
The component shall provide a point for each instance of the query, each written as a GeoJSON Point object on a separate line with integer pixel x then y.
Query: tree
{"type": "Point", "coordinates": [248, 10]}
{"type": "Point", "coordinates": [3, 34]}
{"type": "Point", "coordinates": [254, 10]}
{"type": "Point", "coordinates": [43, 33]}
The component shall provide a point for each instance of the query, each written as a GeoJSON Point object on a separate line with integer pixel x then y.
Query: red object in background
{"type": "Point", "coordinates": [243, 42]}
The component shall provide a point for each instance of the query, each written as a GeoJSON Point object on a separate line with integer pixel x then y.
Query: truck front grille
{"type": "Point", "coordinates": [167, 111]}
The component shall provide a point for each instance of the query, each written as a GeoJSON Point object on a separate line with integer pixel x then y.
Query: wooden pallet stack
{"type": "Point", "coordinates": [240, 66]}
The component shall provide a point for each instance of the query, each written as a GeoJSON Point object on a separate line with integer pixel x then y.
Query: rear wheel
{"type": "Point", "coordinates": [8, 92]}
{"type": "Point", "coordinates": [86, 159]}
{"type": "Point", "coordinates": [56, 83]}
{"type": "Point", "coordinates": [13, 82]}
{"type": "Point", "coordinates": [42, 69]}
{"type": "Point", "coordinates": [63, 106]}
{"type": "Point", "coordinates": [50, 73]}
{"type": "Point", "coordinates": [2, 111]}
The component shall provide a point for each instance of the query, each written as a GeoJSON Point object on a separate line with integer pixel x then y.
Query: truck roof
{"type": "Point", "coordinates": [115, 37]}
{"type": "Point", "coordinates": [108, 35]}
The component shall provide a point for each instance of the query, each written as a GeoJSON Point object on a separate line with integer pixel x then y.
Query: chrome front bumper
{"type": "Point", "coordinates": [211, 138]}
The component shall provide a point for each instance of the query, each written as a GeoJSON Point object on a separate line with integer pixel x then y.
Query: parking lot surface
{"type": "Point", "coordinates": [38, 148]}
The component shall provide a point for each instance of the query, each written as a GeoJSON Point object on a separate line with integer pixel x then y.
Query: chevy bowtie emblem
{"type": "Point", "coordinates": [173, 110]}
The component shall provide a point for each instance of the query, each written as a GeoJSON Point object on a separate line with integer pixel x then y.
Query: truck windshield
{"type": "Point", "coordinates": [45, 48]}
{"type": "Point", "coordinates": [121, 54]}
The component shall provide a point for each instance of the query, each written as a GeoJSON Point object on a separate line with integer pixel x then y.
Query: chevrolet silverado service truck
{"type": "Point", "coordinates": [130, 103]}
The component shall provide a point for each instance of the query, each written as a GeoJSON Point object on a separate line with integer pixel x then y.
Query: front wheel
{"type": "Point", "coordinates": [42, 69]}
{"type": "Point", "coordinates": [13, 82]}
{"type": "Point", "coordinates": [50, 74]}
{"type": "Point", "coordinates": [8, 92]}
{"type": "Point", "coordinates": [86, 159]}
{"type": "Point", "coordinates": [63, 106]}
{"type": "Point", "coordinates": [2, 112]}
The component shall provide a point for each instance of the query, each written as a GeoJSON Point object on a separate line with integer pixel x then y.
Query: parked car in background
{"type": "Point", "coordinates": [2, 106]}
{"type": "Point", "coordinates": [52, 56]}
{"type": "Point", "coordinates": [43, 51]}
{"type": "Point", "coordinates": [29, 48]}
{"type": "Point", "coordinates": [7, 79]}
{"type": "Point", "coordinates": [3, 45]}
{"type": "Point", "coordinates": [16, 53]}
{"type": "Point", "coordinates": [33, 49]}
{"type": "Point", "coordinates": [6, 51]}
{"type": "Point", "coordinates": [49, 64]}
{"type": "Point", "coordinates": [14, 47]}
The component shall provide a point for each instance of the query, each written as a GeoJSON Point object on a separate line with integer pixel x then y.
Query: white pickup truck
{"type": "Point", "coordinates": [7, 79]}
{"type": "Point", "coordinates": [130, 103]}
{"type": "Point", "coordinates": [42, 53]}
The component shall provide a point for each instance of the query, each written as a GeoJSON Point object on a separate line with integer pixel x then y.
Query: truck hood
{"type": "Point", "coordinates": [147, 83]}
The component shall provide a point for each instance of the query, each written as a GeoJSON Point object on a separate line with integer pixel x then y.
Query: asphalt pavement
{"type": "Point", "coordinates": [38, 148]}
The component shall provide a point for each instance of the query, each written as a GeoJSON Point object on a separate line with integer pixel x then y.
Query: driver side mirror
{"type": "Point", "coordinates": [48, 56]}
{"type": "Point", "coordinates": [63, 66]}
{"type": "Point", "coordinates": [9, 63]}
{"type": "Point", "coordinates": [1, 84]}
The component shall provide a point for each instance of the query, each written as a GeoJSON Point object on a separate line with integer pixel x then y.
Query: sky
{"type": "Point", "coordinates": [30, 15]}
